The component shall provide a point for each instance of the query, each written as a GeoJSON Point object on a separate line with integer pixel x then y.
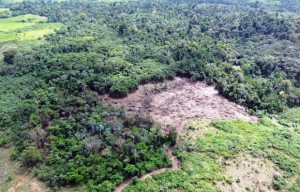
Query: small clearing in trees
{"type": "Point", "coordinates": [249, 173]}
{"type": "Point", "coordinates": [173, 103]}
{"type": "Point", "coordinates": [13, 178]}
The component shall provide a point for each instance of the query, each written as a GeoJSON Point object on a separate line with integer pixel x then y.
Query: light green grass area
{"type": "Point", "coordinates": [14, 177]}
{"type": "Point", "coordinates": [206, 156]}
{"type": "Point", "coordinates": [7, 169]}
{"type": "Point", "coordinates": [25, 27]}
{"type": "Point", "coordinates": [20, 22]}
{"type": "Point", "coordinates": [290, 118]}
{"type": "Point", "coordinates": [27, 35]}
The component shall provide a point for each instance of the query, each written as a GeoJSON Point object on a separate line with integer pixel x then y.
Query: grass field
{"type": "Point", "coordinates": [19, 22]}
{"type": "Point", "coordinates": [234, 155]}
{"type": "Point", "coordinates": [25, 27]}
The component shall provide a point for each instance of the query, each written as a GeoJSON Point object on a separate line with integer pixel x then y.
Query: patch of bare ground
{"type": "Point", "coordinates": [26, 182]}
{"type": "Point", "coordinates": [6, 168]}
{"type": "Point", "coordinates": [249, 174]}
{"type": "Point", "coordinates": [174, 102]}
{"type": "Point", "coordinates": [194, 129]}
{"type": "Point", "coordinates": [14, 179]}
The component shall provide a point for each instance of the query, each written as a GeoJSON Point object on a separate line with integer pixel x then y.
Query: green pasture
{"type": "Point", "coordinates": [25, 27]}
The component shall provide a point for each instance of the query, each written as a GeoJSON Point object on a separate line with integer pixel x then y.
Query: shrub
{"type": "Point", "coordinates": [31, 156]}
{"type": "Point", "coordinates": [278, 182]}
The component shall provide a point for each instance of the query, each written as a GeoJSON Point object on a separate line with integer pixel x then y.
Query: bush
{"type": "Point", "coordinates": [31, 156]}
{"type": "Point", "coordinates": [9, 56]}
{"type": "Point", "coordinates": [122, 86]}
{"type": "Point", "coordinates": [135, 180]}
{"type": "Point", "coordinates": [278, 182]}
{"type": "Point", "coordinates": [118, 91]}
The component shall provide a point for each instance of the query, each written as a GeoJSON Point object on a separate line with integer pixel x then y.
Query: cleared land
{"type": "Point", "coordinates": [221, 147]}
{"type": "Point", "coordinates": [174, 102]}
{"type": "Point", "coordinates": [25, 27]}
{"type": "Point", "coordinates": [231, 156]}
{"type": "Point", "coordinates": [13, 178]}
{"type": "Point", "coordinates": [225, 155]}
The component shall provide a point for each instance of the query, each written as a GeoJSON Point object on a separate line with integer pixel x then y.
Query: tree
{"type": "Point", "coordinates": [131, 169]}
{"type": "Point", "coordinates": [123, 29]}
{"type": "Point", "coordinates": [172, 136]}
{"type": "Point", "coordinates": [9, 56]}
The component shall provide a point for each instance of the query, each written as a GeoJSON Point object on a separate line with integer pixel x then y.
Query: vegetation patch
{"type": "Point", "coordinates": [238, 156]}
{"type": "Point", "coordinates": [13, 177]}
{"type": "Point", "coordinates": [5, 13]}
{"type": "Point", "coordinates": [247, 172]}
{"type": "Point", "coordinates": [25, 27]}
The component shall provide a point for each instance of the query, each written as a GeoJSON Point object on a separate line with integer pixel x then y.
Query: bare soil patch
{"type": "Point", "coordinates": [174, 102]}
{"type": "Point", "coordinates": [249, 174]}
{"type": "Point", "coordinates": [13, 178]}
{"type": "Point", "coordinates": [194, 129]}
{"type": "Point", "coordinates": [27, 183]}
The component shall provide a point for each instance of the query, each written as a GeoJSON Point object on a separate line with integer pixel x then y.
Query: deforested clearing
{"type": "Point", "coordinates": [174, 102]}
{"type": "Point", "coordinates": [248, 172]}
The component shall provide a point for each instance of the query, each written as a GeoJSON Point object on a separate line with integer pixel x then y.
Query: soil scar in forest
{"type": "Point", "coordinates": [175, 102]}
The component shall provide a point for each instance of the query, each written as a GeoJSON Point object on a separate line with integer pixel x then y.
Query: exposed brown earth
{"type": "Point", "coordinates": [249, 173]}
{"type": "Point", "coordinates": [171, 104]}
{"type": "Point", "coordinates": [13, 178]}
{"type": "Point", "coordinates": [175, 102]}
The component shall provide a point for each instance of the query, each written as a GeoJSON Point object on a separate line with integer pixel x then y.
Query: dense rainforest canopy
{"type": "Point", "coordinates": [50, 91]}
